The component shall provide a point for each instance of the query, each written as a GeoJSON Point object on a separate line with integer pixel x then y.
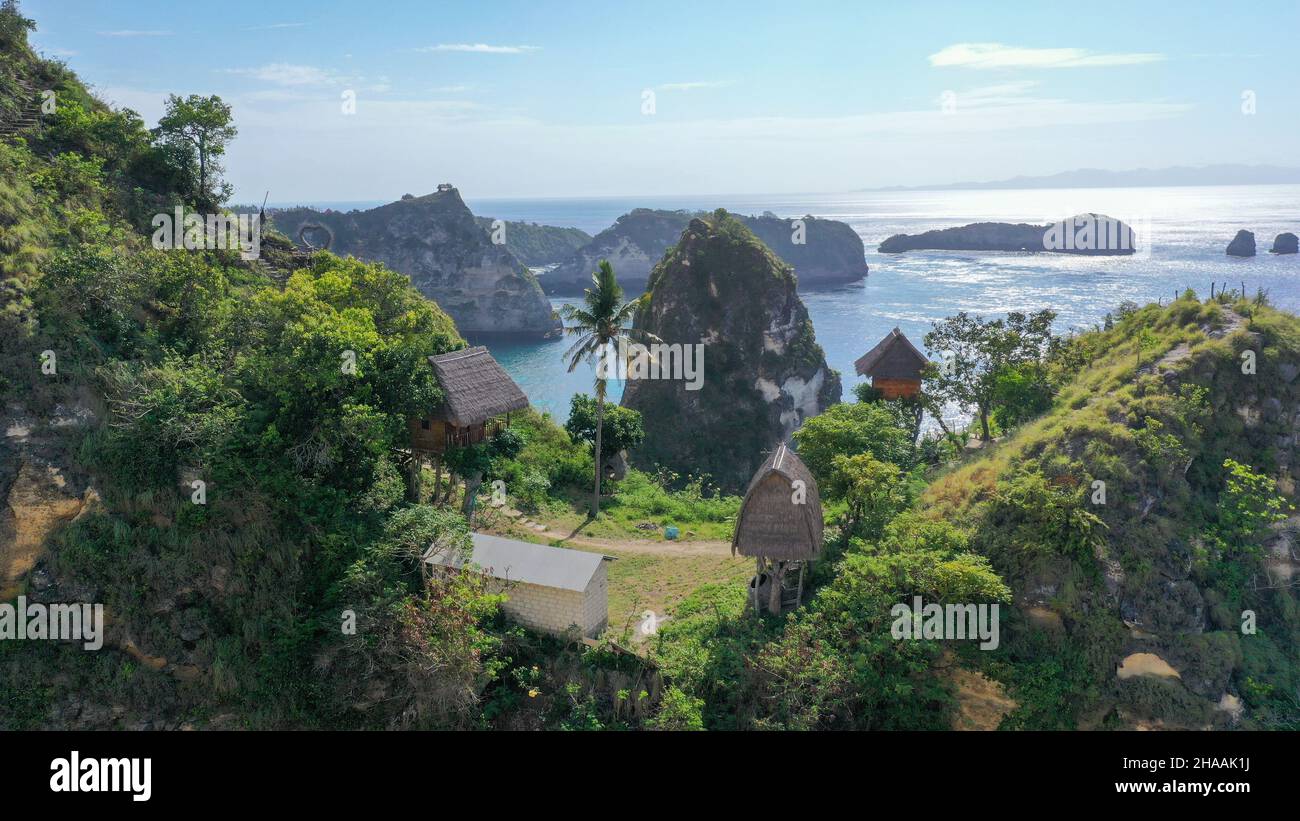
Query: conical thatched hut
{"type": "Point", "coordinates": [780, 525]}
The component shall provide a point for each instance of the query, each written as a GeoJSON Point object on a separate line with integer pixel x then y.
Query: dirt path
{"type": "Point", "coordinates": [654, 548]}
{"type": "Point", "coordinates": [513, 526]}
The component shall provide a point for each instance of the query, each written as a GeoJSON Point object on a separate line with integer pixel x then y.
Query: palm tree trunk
{"type": "Point", "coordinates": [472, 484]}
{"type": "Point", "coordinates": [600, 423]}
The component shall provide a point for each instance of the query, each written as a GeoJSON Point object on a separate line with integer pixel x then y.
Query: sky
{"type": "Point", "coordinates": [528, 99]}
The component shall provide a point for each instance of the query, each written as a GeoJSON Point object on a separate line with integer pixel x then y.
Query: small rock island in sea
{"type": "Point", "coordinates": [1087, 234]}
{"type": "Point", "coordinates": [763, 371]}
{"type": "Point", "coordinates": [1242, 245]}
{"type": "Point", "coordinates": [822, 251]}
{"type": "Point", "coordinates": [1285, 243]}
{"type": "Point", "coordinates": [450, 258]}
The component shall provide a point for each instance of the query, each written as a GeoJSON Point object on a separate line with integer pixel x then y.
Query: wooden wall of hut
{"type": "Point", "coordinates": [896, 388]}
{"type": "Point", "coordinates": [427, 434]}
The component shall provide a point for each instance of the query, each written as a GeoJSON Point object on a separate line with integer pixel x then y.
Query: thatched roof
{"type": "Point", "coordinates": [475, 387]}
{"type": "Point", "coordinates": [894, 357]}
{"type": "Point", "coordinates": [771, 523]}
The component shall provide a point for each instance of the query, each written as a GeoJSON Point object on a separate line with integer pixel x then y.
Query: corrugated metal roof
{"type": "Point", "coordinates": [517, 561]}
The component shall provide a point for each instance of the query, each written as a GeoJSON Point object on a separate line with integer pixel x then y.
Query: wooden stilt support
{"type": "Point", "coordinates": [776, 579]}
{"type": "Point", "coordinates": [413, 485]}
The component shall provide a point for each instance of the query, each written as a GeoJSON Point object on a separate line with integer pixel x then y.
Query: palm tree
{"type": "Point", "coordinates": [599, 325]}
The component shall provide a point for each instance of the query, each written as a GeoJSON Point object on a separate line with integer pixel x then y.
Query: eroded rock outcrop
{"type": "Point", "coordinates": [39, 491]}
{"type": "Point", "coordinates": [1285, 243]}
{"type": "Point", "coordinates": [821, 251]}
{"type": "Point", "coordinates": [763, 371]}
{"type": "Point", "coordinates": [1242, 245]}
{"type": "Point", "coordinates": [436, 241]}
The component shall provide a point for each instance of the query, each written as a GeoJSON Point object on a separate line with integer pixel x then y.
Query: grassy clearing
{"type": "Point", "coordinates": [639, 582]}
{"type": "Point", "coordinates": [646, 575]}
{"type": "Point", "coordinates": [641, 508]}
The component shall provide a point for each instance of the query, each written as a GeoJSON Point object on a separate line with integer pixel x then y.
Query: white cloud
{"type": "Point", "coordinates": [387, 143]}
{"type": "Point", "coordinates": [135, 33]}
{"type": "Point", "coordinates": [691, 86]}
{"type": "Point", "coordinates": [996, 55]}
{"type": "Point", "coordinates": [288, 74]}
{"type": "Point", "coordinates": [148, 104]}
{"type": "Point", "coordinates": [271, 26]}
{"type": "Point", "coordinates": [480, 48]}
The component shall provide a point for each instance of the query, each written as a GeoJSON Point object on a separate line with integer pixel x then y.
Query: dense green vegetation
{"type": "Point", "coordinates": [534, 244]}
{"type": "Point", "coordinates": [292, 596]}
{"type": "Point", "coordinates": [286, 400]}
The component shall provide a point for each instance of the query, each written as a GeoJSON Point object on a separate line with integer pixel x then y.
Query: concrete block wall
{"type": "Point", "coordinates": [549, 609]}
{"type": "Point", "coordinates": [596, 603]}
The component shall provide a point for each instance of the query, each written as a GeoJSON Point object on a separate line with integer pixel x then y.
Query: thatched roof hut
{"type": "Point", "coordinates": [894, 366]}
{"type": "Point", "coordinates": [779, 520]}
{"type": "Point", "coordinates": [475, 387]}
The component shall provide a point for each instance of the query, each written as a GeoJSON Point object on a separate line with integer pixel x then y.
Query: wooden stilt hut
{"type": "Point", "coordinates": [894, 366]}
{"type": "Point", "coordinates": [478, 396]}
{"type": "Point", "coordinates": [780, 525]}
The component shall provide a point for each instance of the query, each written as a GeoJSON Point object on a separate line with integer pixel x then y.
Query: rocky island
{"type": "Point", "coordinates": [764, 372]}
{"type": "Point", "coordinates": [1242, 245]}
{"type": "Point", "coordinates": [436, 241]}
{"type": "Point", "coordinates": [825, 252]}
{"type": "Point", "coordinates": [1285, 243]}
{"type": "Point", "coordinates": [1087, 234]}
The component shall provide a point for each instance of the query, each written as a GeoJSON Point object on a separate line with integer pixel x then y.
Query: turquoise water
{"type": "Point", "coordinates": [1182, 236]}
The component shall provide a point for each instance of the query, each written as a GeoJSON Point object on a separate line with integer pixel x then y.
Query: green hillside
{"type": "Point", "coordinates": [210, 447]}
{"type": "Point", "coordinates": [1196, 451]}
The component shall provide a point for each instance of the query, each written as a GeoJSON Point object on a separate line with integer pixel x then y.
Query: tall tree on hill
{"type": "Point", "coordinates": [603, 320]}
{"type": "Point", "coordinates": [977, 353]}
{"type": "Point", "coordinates": [13, 26]}
{"type": "Point", "coordinates": [199, 128]}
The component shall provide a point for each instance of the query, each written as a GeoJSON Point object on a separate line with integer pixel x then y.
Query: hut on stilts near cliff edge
{"type": "Point", "coordinates": [478, 396]}
{"type": "Point", "coordinates": [894, 366]}
{"type": "Point", "coordinates": [780, 525]}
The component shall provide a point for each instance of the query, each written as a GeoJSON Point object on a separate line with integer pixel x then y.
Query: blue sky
{"type": "Point", "coordinates": [549, 99]}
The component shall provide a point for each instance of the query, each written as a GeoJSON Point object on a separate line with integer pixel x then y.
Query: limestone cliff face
{"type": "Point", "coordinates": [436, 241]}
{"type": "Point", "coordinates": [823, 252]}
{"type": "Point", "coordinates": [763, 371]}
{"type": "Point", "coordinates": [40, 488]}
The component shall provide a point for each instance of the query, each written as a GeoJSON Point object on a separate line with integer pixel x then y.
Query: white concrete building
{"type": "Point", "coordinates": [549, 589]}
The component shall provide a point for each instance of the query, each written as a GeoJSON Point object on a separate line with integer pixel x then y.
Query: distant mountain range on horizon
{"type": "Point", "coordinates": [1223, 174]}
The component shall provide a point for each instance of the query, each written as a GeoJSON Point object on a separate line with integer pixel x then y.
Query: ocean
{"type": "Point", "coordinates": [1182, 233]}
